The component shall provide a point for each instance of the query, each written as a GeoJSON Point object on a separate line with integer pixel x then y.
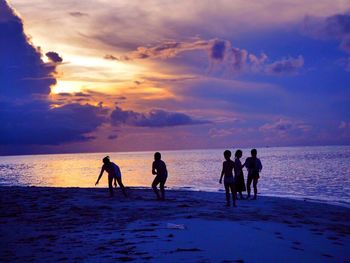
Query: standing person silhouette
{"type": "Point", "coordinates": [113, 174]}
{"type": "Point", "coordinates": [229, 182]}
{"type": "Point", "coordinates": [159, 169]}
{"type": "Point", "coordinates": [239, 176]}
{"type": "Point", "coordinates": [254, 167]}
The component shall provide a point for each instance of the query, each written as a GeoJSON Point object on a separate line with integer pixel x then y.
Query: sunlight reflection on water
{"type": "Point", "coordinates": [315, 172]}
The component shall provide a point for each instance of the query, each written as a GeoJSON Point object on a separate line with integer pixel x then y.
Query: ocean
{"type": "Point", "coordinates": [320, 173]}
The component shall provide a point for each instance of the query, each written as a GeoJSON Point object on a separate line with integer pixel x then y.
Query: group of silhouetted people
{"type": "Point", "coordinates": [232, 172]}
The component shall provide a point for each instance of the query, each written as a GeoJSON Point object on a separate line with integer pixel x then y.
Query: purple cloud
{"type": "Point", "coordinates": [112, 137]}
{"type": "Point", "coordinates": [218, 49]}
{"type": "Point", "coordinates": [54, 57]}
{"type": "Point", "coordinates": [154, 118]}
{"type": "Point", "coordinates": [285, 66]}
{"type": "Point", "coordinates": [284, 127]}
{"type": "Point", "coordinates": [332, 27]}
{"type": "Point", "coordinates": [78, 14]}
{"type": "Point", "coordinates": [238, 59]}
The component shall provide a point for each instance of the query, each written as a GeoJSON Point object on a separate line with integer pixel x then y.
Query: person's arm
{"type": "Point", "coordinates": [154, 171]}
{"type": "Point", "coordinates": [222, 173]}
{"type": "Point", "coordinates": [99, 177]}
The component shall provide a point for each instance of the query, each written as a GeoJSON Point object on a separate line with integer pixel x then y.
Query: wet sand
{"type": "Point", "coordinates": [41, 224]}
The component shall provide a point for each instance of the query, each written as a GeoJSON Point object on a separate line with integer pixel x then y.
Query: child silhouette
{"type": "Point", "coordinates": [229, 183]}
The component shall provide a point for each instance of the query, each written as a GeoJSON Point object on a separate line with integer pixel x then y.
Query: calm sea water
{"type": "Point", "coordinates": [321, 173]}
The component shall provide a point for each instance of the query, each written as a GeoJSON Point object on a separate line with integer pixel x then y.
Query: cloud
{"type": "Point", "coordinates": [285, 66]}
{"type": "Point", "coordinates": [54, 57]}
{"type": "Point", "coordinates": [344, 125]}
{"type": "Point", "coordinates": [110, 57]}
{"type": "Point", "coordinates": [154, 118]}
{"type": "Point", "coordinates": [215, 132]}
{"type": "Point", "coordinates": [167, 49]}
{"type": "Point", "coordinates": [284, 127]}
{"type": "Point", "coordinates": [345, 44]}
{"type": "Point", "coordinates": [239, 59]}
{"type": "Point", "coordinates": [219, 51]}
{"type": "Point", "coordinates": [78, 14]}
{"type": "Point", "coordinates": [332, 27]}
{"type": "Point", "coordinates": [27, 116]}
{"type": "Point", "coordinates": [23, 73]}
{"type": "Point", "coordinates": [112, 137]}
{"type": "Point", "coordinates": [35, 124]}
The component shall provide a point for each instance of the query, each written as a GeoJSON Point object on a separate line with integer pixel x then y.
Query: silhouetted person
{"type": "Point", "coordinates": [229, 182]}
{"type": "Point", "coordinates": [239, 176]}
{"type": "Point", "coordinates": [159, 169]}
{"type": "Point", "coordinates": [113, 174]}
{"type": "Point", "coordinates": [254, 166]}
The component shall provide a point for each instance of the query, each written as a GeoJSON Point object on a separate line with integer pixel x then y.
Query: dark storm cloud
{"type": "Point", "coordinates": [54, 57]}
{"type": "Point", "coordinates": [23, 73]}
{"type": "Point", "coordinates": [154, 118]}
{"type": "Point", "coordinates": [34, 123]}
{"type": "Point", "coordinates": [26, 116]}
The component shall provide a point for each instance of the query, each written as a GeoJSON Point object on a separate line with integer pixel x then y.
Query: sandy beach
{"type": "Point", "coordinates": [41, 224]}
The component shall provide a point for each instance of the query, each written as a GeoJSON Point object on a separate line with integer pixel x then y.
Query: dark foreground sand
{"type": "Point", "coordinates": [85, 225]}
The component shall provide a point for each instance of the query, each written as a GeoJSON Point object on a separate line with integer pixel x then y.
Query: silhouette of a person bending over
{"type": "Point", "coordinates": [114, 174]}
{"type": "Point", "coordinates": [159, 169]}
{"type": "Point", "coordinates": [254, 166]}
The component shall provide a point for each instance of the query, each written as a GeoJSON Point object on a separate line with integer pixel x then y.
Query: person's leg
{"type": "Point", "coordinates": [227, 191]}
{"type": "Point", "coordinates": [110, 185]}
{"type": "Point", "coordinates": [154, 187]}
{"type": "Point", "coordinates": [249, 182]}
{"type": "Point", "coordinates": [241, 195]}
{"type": "Point", "coordinates": [119, 180]}
{"type": "Point", "coordinates": [162, 190]}
{"type": "Point", "coordinates": [255, 185]}
{"type": "Point", "coordinates": [233, 192]}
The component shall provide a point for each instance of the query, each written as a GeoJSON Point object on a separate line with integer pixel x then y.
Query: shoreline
{"type": "Point", "coordinates": [343, 204]}
{"type": "Point", "coordinates": [83, 224]}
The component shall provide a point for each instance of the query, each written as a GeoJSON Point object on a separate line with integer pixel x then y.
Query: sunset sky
{"type": "Point", "coordinates": [91, 76]}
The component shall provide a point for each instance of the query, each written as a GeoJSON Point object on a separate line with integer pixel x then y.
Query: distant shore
{"type": "Point", "coordinates": [41, 224]}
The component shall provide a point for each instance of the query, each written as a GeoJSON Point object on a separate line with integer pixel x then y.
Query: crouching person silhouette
{"type": "Point", "coordinates": [114, 174]}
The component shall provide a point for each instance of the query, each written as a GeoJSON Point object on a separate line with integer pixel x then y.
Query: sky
{"type": "Point", "coordinates": [106, 76]}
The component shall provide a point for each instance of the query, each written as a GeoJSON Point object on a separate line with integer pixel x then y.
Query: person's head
{"type": "Point", "coordinates": [106, 160]}
{"type": "Point", "coordinates": [253, 152]}
{"type": "Point", "coordinates": [238, 154]}
{"type": "Point", "coordinates": [157, 156]}
{"type": "Point", "coordinates": [227, 154]}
